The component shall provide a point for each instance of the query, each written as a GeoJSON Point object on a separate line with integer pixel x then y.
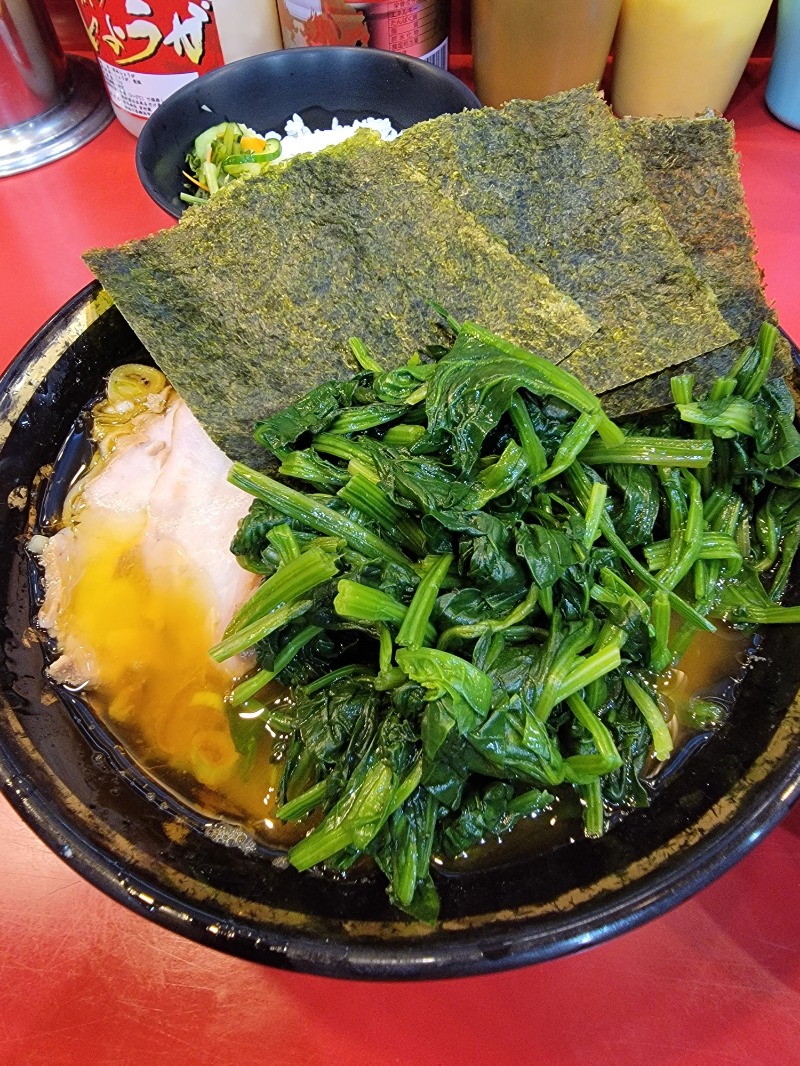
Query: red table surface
{"type": "Point", "coordinates": [715, 982]}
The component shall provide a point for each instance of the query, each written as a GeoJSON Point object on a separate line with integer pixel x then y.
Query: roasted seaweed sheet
{"type": "Point", "coordinates": [553, 178]}
{"type": "Point", "coordinates": [621, 250]}
{"type": "Point", "coordinates": [250, 300]}
{"type": "Point", "coordinates": [692, 169]}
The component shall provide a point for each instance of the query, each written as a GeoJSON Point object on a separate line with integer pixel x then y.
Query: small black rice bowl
{"type": "Point", "coordinates": [264, 91]}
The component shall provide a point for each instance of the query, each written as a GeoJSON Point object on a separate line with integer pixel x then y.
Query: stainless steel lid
{"type": "Point", "coordinates": [50, 103]}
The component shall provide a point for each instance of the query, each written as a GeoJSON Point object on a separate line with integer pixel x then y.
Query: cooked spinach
{"type": "Point", "coordinates": [473, 578]}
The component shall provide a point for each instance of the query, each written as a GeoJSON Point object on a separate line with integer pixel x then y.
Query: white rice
{"type": "Point", "coordinates": [299, 138]}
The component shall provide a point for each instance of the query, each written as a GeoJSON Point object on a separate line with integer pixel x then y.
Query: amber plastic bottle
{"type": "Point", "coordinates": [531, 48]}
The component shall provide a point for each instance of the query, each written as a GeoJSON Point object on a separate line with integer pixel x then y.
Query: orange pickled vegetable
{"type": "Point", "coordinates": [252, 143]}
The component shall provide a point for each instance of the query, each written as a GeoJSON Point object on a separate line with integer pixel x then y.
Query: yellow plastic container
{"type": "Point", "coordinates": [681, 57]}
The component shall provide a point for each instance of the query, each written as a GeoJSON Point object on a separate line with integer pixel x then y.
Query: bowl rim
{"type": "Point", "coordinates": [486, 943]}
{"type": "Point", "coordinates": [290, 57]}
{"type": "Point", "coordinates": [477, 952]}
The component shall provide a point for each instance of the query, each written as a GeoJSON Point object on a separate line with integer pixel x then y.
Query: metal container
{"type": "Point", "coordinates": [50, 103]}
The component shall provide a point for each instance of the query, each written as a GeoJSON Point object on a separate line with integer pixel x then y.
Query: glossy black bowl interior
{"type": "Point", "coordinates": [82, 794]}
{"type": "Point", "coordinates": [264, 92]}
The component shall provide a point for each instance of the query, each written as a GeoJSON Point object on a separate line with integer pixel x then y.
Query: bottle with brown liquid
{"type": "Point", "coordinates": [531, 48]}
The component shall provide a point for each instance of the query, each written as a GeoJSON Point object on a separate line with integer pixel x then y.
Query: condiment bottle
{"type": "Point", "coordinates": [149, 48]}
{"type": "Point", "coordinates": [247, 27]}
{"type": "Point", "coordinates": [414, 27]}
{"type": "Point", "coordinates": [682, 57]}
{"type": "Point", "coordinates": [532, 48]}
{"type": "Point", "coordinates": [783, 85]}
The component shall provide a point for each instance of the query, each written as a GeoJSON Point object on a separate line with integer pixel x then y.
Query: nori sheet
{"type": "Point", "coordinates": [250, 300]}
{"type": "Point", "coordinates": [692, 169]}
{"type": "Point", "coordinates": [554, 179]}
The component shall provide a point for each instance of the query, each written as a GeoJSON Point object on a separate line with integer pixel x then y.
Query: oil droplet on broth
{"type": "Point", "coordinates": [143, 614]}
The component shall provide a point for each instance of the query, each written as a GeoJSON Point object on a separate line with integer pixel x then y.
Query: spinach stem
{"type": "Point", "coordinates": [297, 505]}
{"type": "Point", "coordinates": [294, 579]}
{"type": "Point", "coordinates": [651, 451]}
{"type": "Point", "coordinates": [250, 635]}
{"type": "Point", "coordinates": [415, 625]}
{"type": "Point", "coordinates": [651, 712]}
{"type": "Point", "coordinates": [531, 445]}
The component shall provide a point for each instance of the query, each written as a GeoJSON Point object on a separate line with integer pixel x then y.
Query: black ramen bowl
{"type": "Point", "coordinates": [208, 880]}
{"type": "Point", "coordinates": [264, 91]}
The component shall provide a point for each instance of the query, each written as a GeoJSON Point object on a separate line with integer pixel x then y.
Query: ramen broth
{"type": "Point", "coordinates": [138, 587]}
{"type": "Point", "coordinates": [172, 727]}
{"type": "Point", "coordinates": [708, 669]}
{"type": "Point", "coordinates": [158, 690]}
